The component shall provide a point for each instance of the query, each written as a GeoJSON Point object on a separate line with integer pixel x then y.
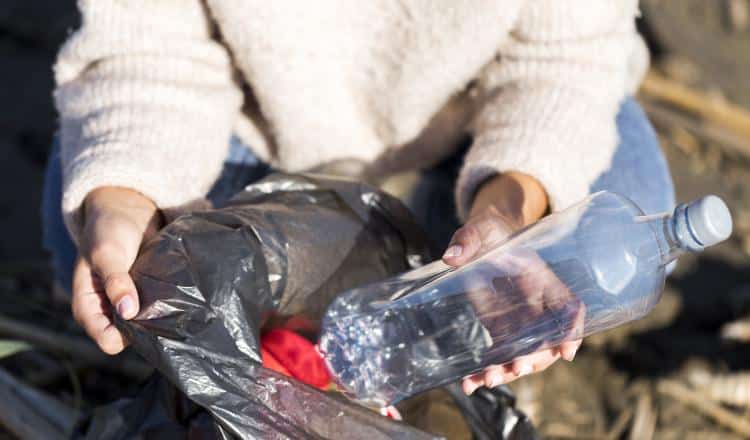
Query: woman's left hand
{"type": "Point", "coordinates": [503, 205]}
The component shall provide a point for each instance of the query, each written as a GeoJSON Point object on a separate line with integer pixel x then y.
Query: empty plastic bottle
{"type": "Point", "coordinates": [596, 265]}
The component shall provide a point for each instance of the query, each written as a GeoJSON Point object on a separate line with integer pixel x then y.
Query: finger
{"type": "Point", "coordinates": [464, 244]}
{"type": "Point", "coordinates": [577, 327]}
{"type": "Point", "coordinates": [471, 383]}
{"type": "Point", "coordinates": [493, 227]}
{"type": "Point", "coordinates": [552, 302]}
{"type": "Point", "coordinates": [497, 375]}
{"type": "Point", "coordinates": [535, 362]}
{"type": "Point", "coordinates": [568, 349]}
{"type": "Point", "coordinates": [491, 377]}
{"type": "Point", "coordinates": [530, 291]}
{"type": "Point", "coordinates": [576, 330]}
{"type": "Point", "coordinates": [92, 312]}
{"type": "Point", "coordinates": [534, 281]}
{"type": "Point", "coordinates": [110, 262]}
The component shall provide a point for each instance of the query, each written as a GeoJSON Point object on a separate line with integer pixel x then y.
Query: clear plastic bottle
{"type": "Point", "coordinates": [596, 265]}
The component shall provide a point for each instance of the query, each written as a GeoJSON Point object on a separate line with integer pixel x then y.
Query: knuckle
{"type": "Point", "coordinates": [75, 310]}
{"type": "Point", "coordinates": [457, 235]}
{"type": "Point", "coordinates": [116, 283]}
{"type": "Point", "coordinates": [492, 212]}
{"type": "Point", "coordinates": [108, 347]}
{"type": "Point", "coordinates": [78, 310]}
{"type": "Point", "coordinates": [102, 251]}
{"type": "Point", "coordinates": [467, 234]}
{"type": "Point", "coordinates": [109, 343]}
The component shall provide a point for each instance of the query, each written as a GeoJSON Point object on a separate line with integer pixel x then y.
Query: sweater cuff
{"type": "Point", "coordinates": [562, 185]}
{"type": "Point", "coordinates": [566, 157]}
{"type": "Point", "coordinates": [90, 171]}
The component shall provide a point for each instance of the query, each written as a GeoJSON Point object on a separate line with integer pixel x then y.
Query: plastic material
{"type": "Point", "coordinates": [275, 255]}
{"type": "Point", "coordinates": [710, 220]}
{"type": "Point", "coordinates": [594, 266]}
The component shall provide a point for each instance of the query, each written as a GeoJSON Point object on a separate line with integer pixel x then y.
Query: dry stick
{"type": "Point", "coordinates": [697, 401]}
{"type": "Point", "coordinates": [706, 130]}
{"type": "Point", "coordinates": [732, 389]}
{"type": "Point", "coordinates": [565, 433]}
{"type": "Point", "coordinates": [644, 421]}
{"type": "Point", "coordinates": [724, 114]}
{"type": "Point", "coordinates": [736, 15]}
{"type": "Point", "coordinates": [78, 348]}
{"type": "Point", "coordinates": [618, 427]}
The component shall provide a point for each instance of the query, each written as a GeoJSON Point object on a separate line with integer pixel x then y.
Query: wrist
{"type": "Point", "coordinates": [120, 197]}
{"type": "Point", "coordinates": [123, 201]}
{"type": "Point", "coordinates": [518, 197]}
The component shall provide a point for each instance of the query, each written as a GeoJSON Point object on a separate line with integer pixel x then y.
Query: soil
{"type": "Point", "coordinates": [704, 33]}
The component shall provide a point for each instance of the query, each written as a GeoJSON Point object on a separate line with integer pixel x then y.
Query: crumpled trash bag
{"type": "Point", "coordinates": [276, 254]}
{"type": "Point", "coordinates": [491, 414]}
{"type": "Point", "coordinates": [158, 411]}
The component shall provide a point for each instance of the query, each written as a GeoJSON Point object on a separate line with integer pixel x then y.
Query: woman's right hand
{"type": "Point", "coordinates": [116, 222]}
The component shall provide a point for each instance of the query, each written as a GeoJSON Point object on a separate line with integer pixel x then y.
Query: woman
{"type": "Point", "coordinates": [151, 92]}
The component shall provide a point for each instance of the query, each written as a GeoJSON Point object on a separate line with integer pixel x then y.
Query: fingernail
{"type": "Point", "coordinates": [494, 382]}
{"type": "Point", "coordinates": [126, 307]}
{"type": "Point", "coordinates": [453, 251]}
{"type": "Point", "coordinates": [568, 356]}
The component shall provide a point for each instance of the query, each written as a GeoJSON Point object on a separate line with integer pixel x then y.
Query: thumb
{"type": "Point", "coordinates": [116, 220]}
{"type": "Point", "coordinates": [478, 234]}
{"type": "Point", "coordinates": [464, 244]}
{"type": "Point", "coordinates": [110, 263]}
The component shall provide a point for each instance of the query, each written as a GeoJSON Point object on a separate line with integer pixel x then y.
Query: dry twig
{"type": "Point", "coordinates": [736, 15]}
{"type": "Point", "coordinates": [706, 130]}
{"type": "Point", "coordinates": [723, 114]}
{"type": "Point", "coordinates": [644, 422]}
{"type": "Point", "coordinates": [620, 424]}
{"type": "Point", "coordinates": [733, 389]}
{"type": "Point", "coordinates": [738, 330]}
{"type": "Point", "coordinates": [697, 401]}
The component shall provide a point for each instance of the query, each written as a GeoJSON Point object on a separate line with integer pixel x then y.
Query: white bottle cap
{"type": "Point", "coordinates": [709, 220]}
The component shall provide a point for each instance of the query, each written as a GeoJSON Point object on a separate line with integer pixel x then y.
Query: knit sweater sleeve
{"type": "Point", "coordinates": [552, 98]}
{"type": "Point", "coordinates": [146, 101]}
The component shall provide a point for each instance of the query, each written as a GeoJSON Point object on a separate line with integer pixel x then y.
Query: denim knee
{"type": "Point", "coordinates": [55, 236]}
{"type": "Point", "coordinates": [639, 169]}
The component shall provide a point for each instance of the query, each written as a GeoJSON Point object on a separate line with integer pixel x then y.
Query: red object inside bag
{"type": "Point", "coordinates": [288, 353]}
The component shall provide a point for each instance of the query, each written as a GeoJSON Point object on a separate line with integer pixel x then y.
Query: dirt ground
{"type": "Point", "coordinates": [676, 374]}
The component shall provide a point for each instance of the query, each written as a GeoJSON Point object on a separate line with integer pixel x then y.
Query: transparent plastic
{"type": "Point", "coordinates": [596, 265]}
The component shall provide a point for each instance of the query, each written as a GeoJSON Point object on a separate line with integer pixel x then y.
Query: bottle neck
{"type": "Point", "coordinates": [673, 234]}
{"type": "Point", "coordinates": [670, 245]}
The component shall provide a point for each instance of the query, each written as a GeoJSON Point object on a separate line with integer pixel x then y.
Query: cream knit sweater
{"type": "Point", "coordinates": [150, 91]}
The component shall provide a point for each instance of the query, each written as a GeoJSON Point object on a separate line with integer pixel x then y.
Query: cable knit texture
{"type": "Point", "coordinates": [150, 91]}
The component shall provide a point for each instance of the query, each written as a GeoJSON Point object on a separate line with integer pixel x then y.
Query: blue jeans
{"type": "Point", "coordinates": [638, 171]}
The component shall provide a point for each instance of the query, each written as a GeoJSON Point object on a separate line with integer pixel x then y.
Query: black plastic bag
{"type": "Point", "coordinates": [159, 411]}
{"type": "Point", "coordinates": [282, 248]}
{"type": "Point", "coordinates": [276, 253]}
